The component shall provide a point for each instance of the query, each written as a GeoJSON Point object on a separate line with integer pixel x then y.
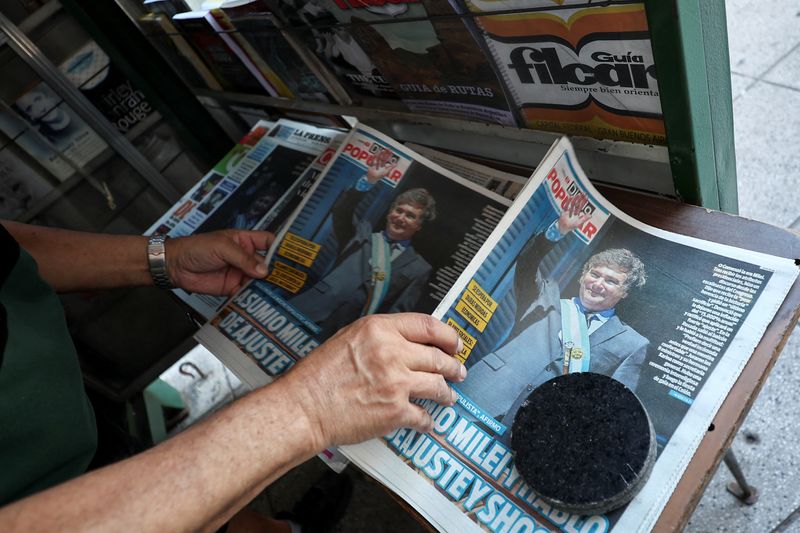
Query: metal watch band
{"type": "Point", "coordinates": [157, 257]}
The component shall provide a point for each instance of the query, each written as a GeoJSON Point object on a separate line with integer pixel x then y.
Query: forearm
{"type": "Point", "coordinates": [194, 481]}
{"type": "Point", "coordinates": [73, 260]}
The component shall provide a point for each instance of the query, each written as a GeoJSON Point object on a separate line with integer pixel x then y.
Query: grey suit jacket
{"type": "Point", "coordinates": [339, 298]}
{"type": "Point", "coordinates": [533, 355]}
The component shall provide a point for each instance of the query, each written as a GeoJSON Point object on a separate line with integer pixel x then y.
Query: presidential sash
{"type": "Point", "coordinates": [575, 338]}
{"type": "Point", "coordinates": [381, 262]}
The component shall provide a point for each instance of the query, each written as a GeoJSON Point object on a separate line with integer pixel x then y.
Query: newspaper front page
{"type": "Point", "coordinates": [255, 186]}
{"type": "Point", "coordinates": [676, 325]}
{"type": "Point", "coordinates": [366, 239]}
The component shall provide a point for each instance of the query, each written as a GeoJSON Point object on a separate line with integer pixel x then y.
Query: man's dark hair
{"type": "Point", "coordinates": [621, 260]}
{"type": "Point", "coordinates": [421, 198]}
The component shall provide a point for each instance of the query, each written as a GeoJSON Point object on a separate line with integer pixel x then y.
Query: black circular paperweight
{"type": "Point", "coordinates": [584, 443]}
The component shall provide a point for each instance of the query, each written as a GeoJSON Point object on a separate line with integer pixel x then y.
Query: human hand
{"type": "Point", "coordinates": [380, 166]}
{"type": "Point", "coordinates": [358, 384]}
{"type": "Point", "coordinates": [573, 215]}
{"type": "Point", "coordinates": [217, 263]}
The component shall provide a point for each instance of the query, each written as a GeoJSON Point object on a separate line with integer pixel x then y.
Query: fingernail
{"type": "Point", "coordinates": [460, 345]}
{"type": "Point", "coordinates": [463, 372]}
{"type": "Point", "coordinates": [261, 268]}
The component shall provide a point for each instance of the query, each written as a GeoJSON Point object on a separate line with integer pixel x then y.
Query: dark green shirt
{"type": "Point", "coordinates": [47, 427]}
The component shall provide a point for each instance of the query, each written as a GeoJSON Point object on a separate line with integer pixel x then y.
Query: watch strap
{"type": "Point", "coordinates": [157, 259]}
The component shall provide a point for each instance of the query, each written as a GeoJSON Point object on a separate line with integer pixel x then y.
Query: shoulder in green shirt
{"type": "Point", "coordinates": [47, 427]}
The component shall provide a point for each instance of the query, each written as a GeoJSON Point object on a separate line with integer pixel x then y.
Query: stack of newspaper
{"type": "Point", "coordinates": [383, 228]}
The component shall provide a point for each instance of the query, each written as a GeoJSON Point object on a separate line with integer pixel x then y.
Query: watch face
{"type": "Point", "coordinates": [583, 442]}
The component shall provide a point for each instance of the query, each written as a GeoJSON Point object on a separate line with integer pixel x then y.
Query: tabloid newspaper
{"type": "Point", "coordinates": [564, 75]}
{"type": "Point", "coordinates": [364, 240]}
{"type": "Point", "coordinates": [678, 336]}
{"type": "Point", "coordinates": [256, 186]}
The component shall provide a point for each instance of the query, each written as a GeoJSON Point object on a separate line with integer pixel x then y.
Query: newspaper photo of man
{"type": "Point", "coordinates": [375, 271]}
{"type": "Point", "coordinates": [554, 334]}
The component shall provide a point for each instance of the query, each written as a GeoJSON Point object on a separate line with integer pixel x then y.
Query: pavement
{"type": "Point", "coordinates": [764, 44]}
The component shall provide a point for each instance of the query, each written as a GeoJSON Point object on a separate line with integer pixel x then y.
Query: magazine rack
{"type": "Point", "coordinates": [689, 44]}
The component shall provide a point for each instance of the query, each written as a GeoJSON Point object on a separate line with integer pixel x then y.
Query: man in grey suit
{"type": "Point", "coordinates": [537, 348]}
{"type": "Point", "coordinates": [375, 271]}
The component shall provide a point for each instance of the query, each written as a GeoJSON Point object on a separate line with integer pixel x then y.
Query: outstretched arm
{"type": "Point", "coordinates": [355, 386]}
{"type": "Point", "coordinates": [210, 263]}
{"type": "Point", "coordinates": [540, 245]}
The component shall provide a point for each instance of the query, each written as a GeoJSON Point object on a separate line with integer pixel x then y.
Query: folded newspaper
{"type": "Point", "coordinates": [672, 317]}
{"type": "Point", "coordinates": [366, 239]}
{"type": "Point", "coordinates": [257, 185]}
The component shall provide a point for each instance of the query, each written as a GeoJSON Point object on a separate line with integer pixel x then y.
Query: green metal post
{"type": "Point", "coordinates": [690, 47]}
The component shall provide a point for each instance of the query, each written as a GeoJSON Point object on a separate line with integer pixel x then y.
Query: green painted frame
{"type": "Point", "coordinates": [690, 47]}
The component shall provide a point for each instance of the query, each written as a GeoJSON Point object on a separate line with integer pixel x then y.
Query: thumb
{"type": "Point", "coordinates": [251, 264]}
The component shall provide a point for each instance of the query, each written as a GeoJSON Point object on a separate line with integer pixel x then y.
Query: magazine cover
{"type": "Point", "coordinates": [177, 51]}
{"type": "Point", "coordinates": [44, 126]}
{"type": "Point", "coordinates": [366, 239]}
{"type": "Point", "coordinates": [91, 71]}
{"type": "Point", "coordinates": [434, 63]}
{"type": "Point", "coordinates": [576, 68]}
{"type": "Point", "coordinates": [226, 60]}
{"type": "Point", "coordinates": [313, 24]}
{"type": "Point", "coordinates": [271, 171]}
{"type": "Point", "coordinates": [568, 283]}
{"type": "Point", "coordinates": [253, 26]}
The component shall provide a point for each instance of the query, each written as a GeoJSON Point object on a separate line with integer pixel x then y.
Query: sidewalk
{"type": "Point", "coordinates": [764, 40]}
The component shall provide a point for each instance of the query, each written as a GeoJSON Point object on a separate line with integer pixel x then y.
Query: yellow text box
{"type": "Point", "coordinates": [287, 277]}
{"type": "Point", "coordinates": [469, 340]}
{"type": "Point", "coordinates": [482, 296]}
{"type": "Point", "coordinates": [298, 249]}
{"type": "Point", "coordinates": [300, 241]}
{"type": "Point", "coordinates": [464, 310]}
{"type": "Point", "coordinates": [477, 307]}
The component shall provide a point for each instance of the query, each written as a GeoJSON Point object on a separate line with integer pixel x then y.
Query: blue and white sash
{"type": "Point", "coordinates": [575, 338]}
{"type": "Point", "coordinates": [381, 262]}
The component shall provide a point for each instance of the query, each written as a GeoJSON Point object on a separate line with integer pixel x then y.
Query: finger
{"type": "Point", "coordinates": [434, 361]}
{"type": "Point", "coordinates": [417, 418]}
{"type": "Point", "coordinates": [575, 205]}
{"type": "Point", "coordinates": [424, 329]}
{"type": "Point", "coordinates": [249, 263]}
{"type": "Point", "coordinates": [432, 387]}
{"type": "Point", "coordinates": [258, 240]}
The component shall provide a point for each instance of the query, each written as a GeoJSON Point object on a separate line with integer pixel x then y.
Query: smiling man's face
{"type": "Point", "coordinates": [602, 287]}
{"type": "Point", "coordinates": [403, 221]}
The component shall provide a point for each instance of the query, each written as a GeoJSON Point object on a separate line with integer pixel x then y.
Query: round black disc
{"type": "Point", "coordinates": [583, 442]}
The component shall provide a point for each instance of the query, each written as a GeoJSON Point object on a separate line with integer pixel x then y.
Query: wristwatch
{"type": "Point", "coordinates": [157, 257]}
